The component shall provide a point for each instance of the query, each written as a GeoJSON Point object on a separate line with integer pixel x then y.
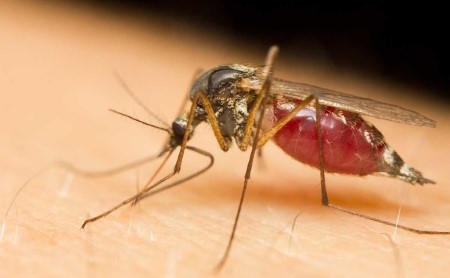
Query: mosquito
{"type": "Point", "coordinates": [316, 126]}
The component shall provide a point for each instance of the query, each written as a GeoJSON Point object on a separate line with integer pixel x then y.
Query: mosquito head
{"type": "Point", "coordinates": [221, 79]}
{"type": "Point", "coordinates": [178, 131]}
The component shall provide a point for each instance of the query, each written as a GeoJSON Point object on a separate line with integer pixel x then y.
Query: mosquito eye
{"type": "Point", "coordinates": [179, 127]}
{"type": "Point", "coordinates": [222, 77]}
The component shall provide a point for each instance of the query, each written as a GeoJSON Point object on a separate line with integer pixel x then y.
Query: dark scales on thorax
{"type": "Point", "coordinates": [231, 89]}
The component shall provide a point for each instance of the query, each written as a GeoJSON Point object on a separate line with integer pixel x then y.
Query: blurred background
{"type": "Point", "coordinates": [405, 43]}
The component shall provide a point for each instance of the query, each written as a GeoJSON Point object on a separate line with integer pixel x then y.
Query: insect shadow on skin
{"type": "Point", "coordinates": [249, 105]}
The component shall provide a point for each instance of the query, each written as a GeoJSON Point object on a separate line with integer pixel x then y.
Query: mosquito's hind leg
{"type": "Point", "coordinates": [325, 200]}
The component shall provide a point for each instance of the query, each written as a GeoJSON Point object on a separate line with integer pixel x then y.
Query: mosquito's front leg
{"type": "Point", "coordinates": [180, 111]}
{"type": "Point", "coordinates": [261, 102]}
{"type": "Point", "coordinates": [127, 201]}
{"type": "Point", "coordinates": [223, 142]}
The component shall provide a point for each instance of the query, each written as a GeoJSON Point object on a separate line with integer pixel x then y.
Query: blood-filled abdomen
{"type": "Point", "coordinates": [350, 144]}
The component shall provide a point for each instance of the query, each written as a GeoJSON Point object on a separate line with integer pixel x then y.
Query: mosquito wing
{"type": "Point", "coordinates": [364, 106]}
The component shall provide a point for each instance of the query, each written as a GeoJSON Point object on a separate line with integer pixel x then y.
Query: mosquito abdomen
{"type": "Point", "coordinates": [350, 144]}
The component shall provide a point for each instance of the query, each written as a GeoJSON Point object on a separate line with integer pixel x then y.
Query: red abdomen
{"type": "Point", "coordinates": [350, 144]}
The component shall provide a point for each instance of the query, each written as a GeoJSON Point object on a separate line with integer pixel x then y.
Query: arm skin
{"type": "Point", "coordinates": [56, 87]}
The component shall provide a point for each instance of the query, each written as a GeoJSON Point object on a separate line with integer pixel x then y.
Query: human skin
{"type": "Point", "coordinates": [56, 86]}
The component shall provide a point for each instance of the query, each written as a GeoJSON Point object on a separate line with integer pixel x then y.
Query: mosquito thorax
{"type": "Point", "coordinates": [231, 90]}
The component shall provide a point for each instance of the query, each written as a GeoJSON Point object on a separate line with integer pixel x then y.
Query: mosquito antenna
{"type": "Point", "coordinates": [139, 121]}
{"type": "Point", "coordinates": [136, 99]}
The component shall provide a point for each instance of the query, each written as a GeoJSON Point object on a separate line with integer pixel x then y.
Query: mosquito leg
{"type": "Point", "coordinates": [186, 98]}
{"type": "Point", "coordinates": [154, 175]}
{"type": "Point", "coordinates": [326, 202]}
{"type": "Point", "coordinates": [265, 93]}
{"type": "Point", "coordinates": [113, 171]}
{"type": "Point", "coordinates": [244, 189]}
{"type": "Point", "coordinates": [140, 103]}
{"type": "Point", "coordinates": [146, 191]}
{"type": "Point", "coordinates": [238, 213]}
{"type": "Point", "coordinates": [129, 200]}
{"type": "Point", "coordinates": [323, 188]}
{"type": "Point", "coordinates": [406, 228]}
{"type": "Point", "coordinates": [97, 174]}
{"type": "Point", "coordinates": [182, 180]}
{"type": "Point", "coordinates": [89, 174]}
{"type": "Point", "coordinates": [251, 120]}
{"type": "Point", "coordinates": [224, 143]}
{"type": "Point", "coordinates": [283, 121]}
{"type": "Point", "coordinates": [260, 100]}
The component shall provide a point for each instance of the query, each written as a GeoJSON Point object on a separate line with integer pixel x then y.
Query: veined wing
{"type": "Point", "coordinates": [363, 106]}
